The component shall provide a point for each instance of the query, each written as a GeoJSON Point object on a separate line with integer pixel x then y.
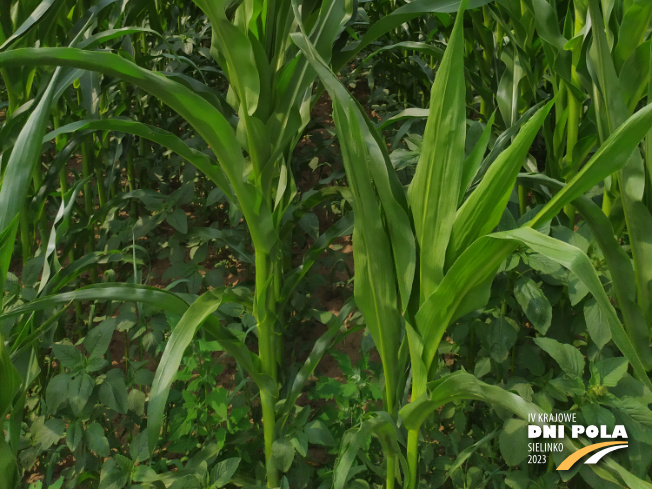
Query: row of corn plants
{"type": "Point", "coordinates": [425, 251]}
{"type": "Point", "coordinates": [267, 103]}
{"type": "Point", "coordinates": [268, 89]}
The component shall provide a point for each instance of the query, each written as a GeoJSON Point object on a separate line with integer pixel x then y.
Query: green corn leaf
{"type": "Point", "coordinates": [612, 155]}
{"type": "Point", "coordinates": [634, 76]}
{"type": "Point", "coordinates": [368, 146]}
{"type": "Point", "coordinates": [9, 387]}
{"type": "Point", "coordinates": [32, 20]}
{"type": "Point", "coordinates": [473, 270]}
{"type": "Point", "coordinates": [106, 292]}
{"type": "Point", "coordinates": [420, 47]}
{"type": "Point", "coordinates": [320, 346]}
{"type": "Point", "coordinates": [481, 212]}
{"type": "Point", "coordinates": [8, 465]}
{"type": "Point", "coordinates": [465, 454]}
{"type": "Point", "coordinates": [638, 217]}
{"type": "Point", "coordinates": [503, 142]}
{"type": "Point", "coordinates": [509, 86]}
{"type": "Point", "coordinates": [226, 237]}
{"type": "Point", "coordinates": [109, 34]}
{"type": "Point", "coordinates": [394, 204]}
{"type": "Point", "coordinates": [610, 105]}
{"type": "Point", "coordinates": [209, 94]}
{"type": "Point", "coordinates": [547, 24]}
{"type": "Point", "coordinates": [342, 227]}
{"type": "Point", "coordinates": [7, 237]}
{"type": "Point", "coordinates": [24, 156]}
{"type": "Point", "coordinates": [18, 173]}
{"type": "Point", "coordinates": [632, 31]}
{"type": "Point", "coordinates": [182, 334]}
{"type": "Point", "coordinates": [451, 388]}
{"type": "Point", "coordinates": [240, 352]}
{"type": "Point", "coordinates": [419, 370]}
{"type": "Point", "coordinates": [433, 193]}
{"type": "Point", "coordinates": [291, 107]}
{"type": "Point", "coordinates": [648, 140]}
{"type": "Point", "coordinates": [611, 111]}
{"type": "Point", "coordinates": [410, 113]}
{"type": "Point", "coordinates": [60, 226]}
{"type": "Point", "coordinates": [474, 160]}
{"type": "Point", "coordinates": [374, 288]}
{"type": "Point", "coordinates": [233, 50]}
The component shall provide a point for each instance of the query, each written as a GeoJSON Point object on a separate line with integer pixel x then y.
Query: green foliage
{"type": "Point", "coordinates": [208, 282]}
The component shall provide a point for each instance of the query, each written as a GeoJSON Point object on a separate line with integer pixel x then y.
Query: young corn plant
{"type": "Point", "coordinates": [422, 261]}
{"type": "Point", "coordinates": [270, 93]}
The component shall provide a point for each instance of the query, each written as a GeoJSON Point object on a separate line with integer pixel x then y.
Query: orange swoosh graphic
{"type": "Point", "coordinates": [574, 457]}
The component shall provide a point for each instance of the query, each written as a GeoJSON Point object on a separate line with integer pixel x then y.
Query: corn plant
{"type": "Point", "coordinates": [422, 261]}
{"type": "Point", "coordinates": [270, 91]}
